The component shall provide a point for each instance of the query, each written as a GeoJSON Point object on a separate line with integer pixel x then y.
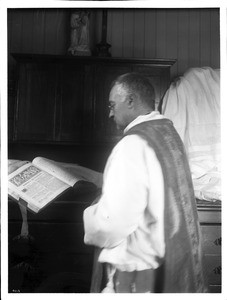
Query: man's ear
{"type": "Point", "coordinates": [131, 101]}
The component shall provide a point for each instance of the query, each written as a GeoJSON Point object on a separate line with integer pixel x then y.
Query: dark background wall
{"type": "Point", "coordinates": [189, 35]}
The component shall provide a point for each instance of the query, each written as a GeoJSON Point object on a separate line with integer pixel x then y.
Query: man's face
{"type": "Point", "coordinates": [118, 107]}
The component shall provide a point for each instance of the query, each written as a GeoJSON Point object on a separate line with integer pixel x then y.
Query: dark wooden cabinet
{"type": "Point", "coordinates": [50, 100]}
{"type": "Point", "coordinates": [65, 99]}
{"type": "Point", "coordinates": [36, 101]}
{"type": "Point", "coordinates": [210, 221]}
{"type": "Point", "coordinates": [69, 102]}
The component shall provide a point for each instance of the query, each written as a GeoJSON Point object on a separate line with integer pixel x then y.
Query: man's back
{"type": "Point", "coordinates": [183, 265]}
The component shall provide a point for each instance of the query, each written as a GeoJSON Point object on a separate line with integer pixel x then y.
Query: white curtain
{"type": "Point", "coordinates": [193, 104]}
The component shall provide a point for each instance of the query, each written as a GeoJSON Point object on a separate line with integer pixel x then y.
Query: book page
{"type": "Point", "coordinates": [56, 170]}
{"type": "Point", "coordinates": [13, 165]}
{"type": "Point", "coordinates": [35, 186]}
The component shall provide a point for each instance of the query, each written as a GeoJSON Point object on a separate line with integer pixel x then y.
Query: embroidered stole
{"type": "Point", "coordinates": [183, 263]}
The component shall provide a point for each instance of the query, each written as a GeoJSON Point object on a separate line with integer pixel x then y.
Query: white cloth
{"type": "Point", "coordinates": [193, 104]}
{"type": "Point", "coordinates": [127, 222]}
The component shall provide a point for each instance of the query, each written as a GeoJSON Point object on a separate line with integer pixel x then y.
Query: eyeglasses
{"type": "Point", "coordinates": [111, 106]}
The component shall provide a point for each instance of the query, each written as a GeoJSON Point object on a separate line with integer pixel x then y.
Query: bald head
{"type": "Point", "coordinates": [138, 87]}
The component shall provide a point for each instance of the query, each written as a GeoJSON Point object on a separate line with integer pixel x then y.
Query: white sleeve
{"type": "Point", "coordinates": [124, 196]}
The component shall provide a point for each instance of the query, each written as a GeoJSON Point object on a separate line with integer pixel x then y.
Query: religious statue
{"type": "Point", "coordinates": [80, 33]}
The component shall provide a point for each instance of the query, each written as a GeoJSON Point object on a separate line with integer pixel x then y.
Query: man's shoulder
{"type": "Point", "coordinates": [129, 142]}
{"type": "Point", "coordinates": [152, 128]}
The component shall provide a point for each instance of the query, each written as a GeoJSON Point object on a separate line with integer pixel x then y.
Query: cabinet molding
{"type": "Point", "coordinates": [65, 98]}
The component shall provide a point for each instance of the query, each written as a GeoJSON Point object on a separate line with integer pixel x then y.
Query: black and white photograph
{"type": "Point", "coordinates": [112, 148]}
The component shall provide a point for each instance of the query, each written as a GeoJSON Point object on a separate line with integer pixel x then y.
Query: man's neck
{"type": "Point", "coordinates": [143, 118]}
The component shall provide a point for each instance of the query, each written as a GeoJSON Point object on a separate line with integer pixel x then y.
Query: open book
{"type": "Point", "coordinates": [42, 180]}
